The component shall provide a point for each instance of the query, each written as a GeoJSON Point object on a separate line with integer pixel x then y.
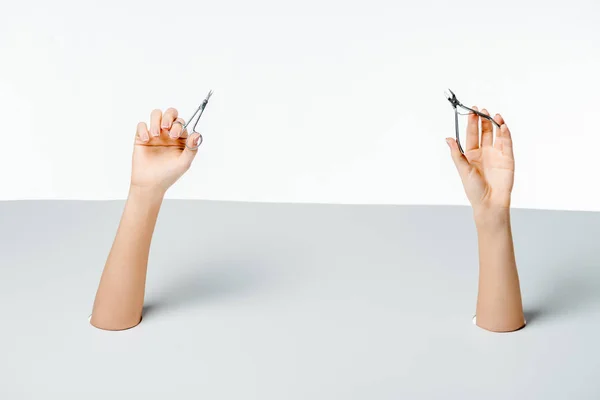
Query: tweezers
{"type": "Point", "coordinates": [455, 104]}
{"type": "Point", "coordinates": [198, 112]}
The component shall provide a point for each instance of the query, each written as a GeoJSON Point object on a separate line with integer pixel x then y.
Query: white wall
{"type": "Point", "coordinates": [315, 101]}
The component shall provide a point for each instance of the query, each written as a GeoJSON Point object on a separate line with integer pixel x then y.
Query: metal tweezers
{"type": "Point", "coordinates": [198, 111]}
{"type": "Point", "coordinates": [455, 104]}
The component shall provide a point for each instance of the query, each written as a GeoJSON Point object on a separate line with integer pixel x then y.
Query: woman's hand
{"type": "Point", "coordinates": [487, 168]}
{"type": "Point", "coordinates": [160, 156]}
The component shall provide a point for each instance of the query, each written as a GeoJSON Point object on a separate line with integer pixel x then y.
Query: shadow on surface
{"type": "Point", "coordinates": [533, 314]}
{"type": "Point", "coordinates": [205, 283]}
{"type": "Point", "coordinates": [565, 294]}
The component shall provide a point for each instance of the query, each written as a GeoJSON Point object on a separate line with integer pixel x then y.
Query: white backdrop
{"type": "Point", "coordinates": [315, 101]}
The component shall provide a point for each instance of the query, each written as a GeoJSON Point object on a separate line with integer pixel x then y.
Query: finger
{"type": "Point", "coordinates": [499, 120]}
{"type": "Point", "coordinates": [155, 118]}
{"type": "Point", "coordinates": [188, 155]}
{"type": "Point", "coordinates": [167, 120]}
{"type": "Point", "coordinates": [460, 161]}
{"type": "Point", "coordinates": [498, 141]}
{"type": "Point", "coordinates": [505, 137]}
{"type": "Point", "coordinates": [177, 129]}
{"type": "Point", "coordinates": [487, 130]}
{"type": "Point", "coordinates": [507, 145]}
{"type": "Point", "coordinates": [473, 131]}
{"type": "Point", "coordinates": [142, 132]}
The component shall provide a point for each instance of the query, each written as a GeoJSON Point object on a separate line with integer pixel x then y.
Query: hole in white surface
{"type": "Point", "coordinates": [475, 321]}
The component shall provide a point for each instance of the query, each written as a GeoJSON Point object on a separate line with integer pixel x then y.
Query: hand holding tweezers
{"type": "Point", "coordinates": [456, 104]}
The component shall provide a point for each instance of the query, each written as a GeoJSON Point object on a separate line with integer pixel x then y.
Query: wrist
{"type": "Point", "coordinates": [491, 218]}
{"type": "Point", "coordinates": [145, 194]}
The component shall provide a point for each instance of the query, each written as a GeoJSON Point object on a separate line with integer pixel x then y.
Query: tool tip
{"type": "Point", "coordinates": [451, 97]}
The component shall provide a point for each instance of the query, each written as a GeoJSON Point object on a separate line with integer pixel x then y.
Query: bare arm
{"type": "Point", "coordinates": [159, 159]}
{"type": "Point", "coordinates": [499, 306]}
{"type": "Point", "coordinates": [120, 295]}
{"type": "Point", "coordinates": [487, 173]}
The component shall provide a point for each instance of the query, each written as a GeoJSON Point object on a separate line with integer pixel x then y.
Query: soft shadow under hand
{"type": "Point", "coordinates": [567, 295]}
{"type": "Point", "coordinates": [205, 283]}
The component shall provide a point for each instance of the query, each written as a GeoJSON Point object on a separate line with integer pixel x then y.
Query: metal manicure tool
{"type": "Point", "coordinates": [456, 104]}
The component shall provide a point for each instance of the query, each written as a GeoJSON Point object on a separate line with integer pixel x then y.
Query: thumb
{"type": "Point", "coordinates": [462, 165]}
{"type": "Point", "coordinates": [191, 149]}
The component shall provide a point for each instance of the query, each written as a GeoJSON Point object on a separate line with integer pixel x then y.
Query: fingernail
{"type": "Point", "coordinates": [448, 142]}
{"type": "Point", "coordinates": [166, 125]}
{"type": "Point", "coordinates": [155, 132]}
{"type": "Point", "coordinates": [196, 140]}
{"type": "Point", "coordinates": [145, 137]}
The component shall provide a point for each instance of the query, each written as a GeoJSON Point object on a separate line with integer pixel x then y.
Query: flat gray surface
{"type": "Point", "coordinates": [275, 301]}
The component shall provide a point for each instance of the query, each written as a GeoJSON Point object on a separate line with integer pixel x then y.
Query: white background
{"type": "Point", "coordinates": [315, 101]}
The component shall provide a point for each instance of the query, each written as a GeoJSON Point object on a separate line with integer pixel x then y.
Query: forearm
{"type": "Point", "coordinates": [120, 295]}
{"type": "Point", "coordinates": [499, 306]}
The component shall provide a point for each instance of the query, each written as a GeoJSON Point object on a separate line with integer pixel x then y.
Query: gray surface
{"type": "Point", "coordinates": [275, 301]}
